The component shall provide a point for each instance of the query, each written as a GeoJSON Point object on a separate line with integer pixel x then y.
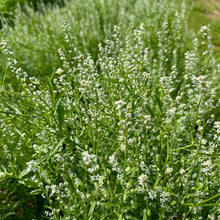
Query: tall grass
{"type": "Point", "coordinates": [35, 40]}
{"type": "Point", "coordinates": [117, 128]}
{"type": "Point", "coordinates": [9, 9]}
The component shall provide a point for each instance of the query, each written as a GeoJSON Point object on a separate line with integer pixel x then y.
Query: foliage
{"type": "Point", "coordinates": [203, 13]}
{"type": "Point", "coordinates": [8, 8]}
{"type": "Point", "coordinates": [120, 129]}
{"type": "Point", "coordinates": [35, 41]}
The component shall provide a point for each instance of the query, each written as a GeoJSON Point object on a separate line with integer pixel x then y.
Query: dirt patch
{"type": "Point", "coordinates": [214, 6]}
{"type": "Point", "coordinates": [217, 47]}
{"type": "Point", "coordinates": [215, 15]}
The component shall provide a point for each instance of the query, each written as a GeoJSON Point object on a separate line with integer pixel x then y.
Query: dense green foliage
{"type": "Point", "coordinates": [8, 8]}
{"type": "Point", "coordinates": [205, 12]}
{"type": "Point", "coordinates": [35, 42]}
{"type": "Point", "coordinates": [107, 111]}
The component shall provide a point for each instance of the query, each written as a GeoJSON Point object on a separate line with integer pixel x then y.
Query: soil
{"type": "Point", "coordinates": [214, 5]}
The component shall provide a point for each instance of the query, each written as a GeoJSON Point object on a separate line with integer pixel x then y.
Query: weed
{"type": "Point", "coordinates": [127, 133]}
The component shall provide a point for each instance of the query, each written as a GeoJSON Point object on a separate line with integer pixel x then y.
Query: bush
{"type": "Point", "coordinates": [35, 40]}
{"type": "Point", "coordinates": [8, 8]}
{"type": "Point", "coordinates": [127, 134]}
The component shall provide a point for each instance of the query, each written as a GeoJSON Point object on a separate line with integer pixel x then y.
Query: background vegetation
{"type": "Point", "coordinates": [206, 12]}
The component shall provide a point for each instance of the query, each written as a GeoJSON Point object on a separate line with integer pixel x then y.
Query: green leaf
{"type": "Point", "coordinates": [25, 172]}
{"type": "Point", "coordinates": [3, 77]}
{"type": "Point", "coordinates": [207, 200]}
{"type": "Point", "coordinates": [29, 183]}
{"type": "Point", "coordinates": [209, 204]}
{"type": "Point", "coordinates": [61, 114]}
{"type": "Point", "coordinates": [51, 87]}
{"type": "Point", "coordinates": [56, 103]}
{"type": "Point", "coordinates": [145, 215]}
{"type": "Point", "coordinates": [43, 173]}
{"type": "Point", "coordinates": [150, 111]}
{"type": "Point", "coordinates": [41, 160]}
{"type": "Point", "coordinates": [186, 147]}
{"type": "Point", "coordinates": [107, 204]}
{"type": "Point", "coordinates": [92, 207]}
{"type": "Point", "coordinates": [36, 192]}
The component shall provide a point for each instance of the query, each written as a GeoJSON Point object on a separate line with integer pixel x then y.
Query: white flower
{"type": "Point", "coordinates": [169, 170]}
{"type": "Point", "coordinates": [217, 126]}
{"type": "Point", "coordinates": [23, 135]}
{"type": "Point", "coordinates": [119, 104]}
{"type": "Point", "coordinates": [207, 163]}
{"type": "Point", "coordinates": [31, 166]}
{"type": "Point", "coordinates": [182, 171]}
{"type": "Point", "coordinates": [101, 181]}
{"type": "Point", "coordinates": [128, 115]}
{"type": "Point", "coordinates": [147, 119]}
{"type": "Point", "coordinates": [111, 159]}
{"type": "Point", "coordinates": [142, 179]}
{"type": "Point", "coordinates": [53, 190]}
{"type": "Point", "coordinates": [88, 158]}
{"type": "Point", "coordinates": [204, 29]}
{"type": "Point", "coordinates": [2, 174]}
{"type": "Point", "coordinates": [59, 71]}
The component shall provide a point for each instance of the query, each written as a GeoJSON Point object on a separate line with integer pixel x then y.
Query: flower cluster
{"type": "Point", "coordinates": [129, 134]}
